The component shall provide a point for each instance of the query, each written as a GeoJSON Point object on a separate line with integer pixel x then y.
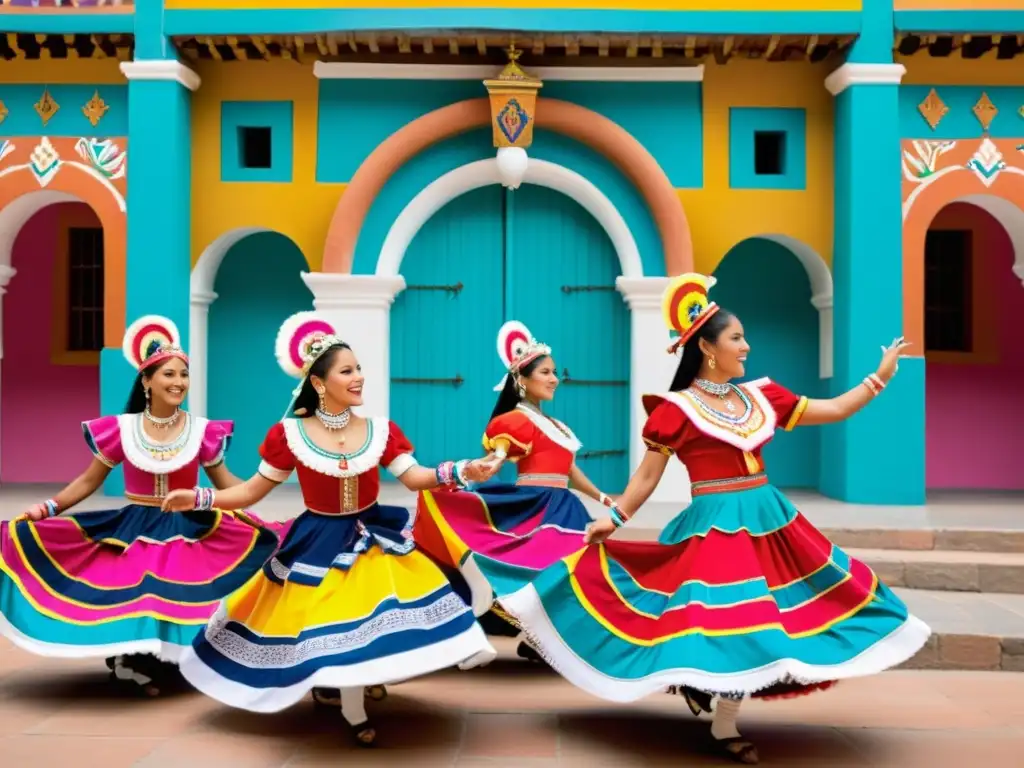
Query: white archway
{"type": "Point", "coordinates": [201, 296]}
{"type": "Point", "coordinates": [822, 295]}
{"type": "Point", "coordinates": [1010, 218]}
{"type": "Point", "coordinates": [482, 173]}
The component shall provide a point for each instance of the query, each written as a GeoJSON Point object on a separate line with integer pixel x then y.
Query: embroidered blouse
{"type": "Point", "coordinates": [539, 445]}
{"type": "Point", "coordinates": [335, 483]}
{"type": "Point", "coordinates": [152, 469]}
{"type": "Point", "coordinates": [712, 446]}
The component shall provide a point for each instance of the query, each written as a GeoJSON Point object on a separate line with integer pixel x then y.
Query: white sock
{"type": "Point", "coordinates": [353, 708]}
{"type": "Point", "coordinates": [724, 724]}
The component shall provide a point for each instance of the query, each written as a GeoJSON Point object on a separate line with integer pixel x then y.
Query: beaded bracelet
{"type": "Point", "coordinates": [618, 519]}
{"type": "Point", "coordinates": [874, 383]}
{"type": "Point", "coordinates": [51, 508]}
{"type": "Point", "coordinates": [459, 476]}
{"type": "Point", "coordinates": [204, 498]}
{"type": "Point", "coordinates": [444, 472]}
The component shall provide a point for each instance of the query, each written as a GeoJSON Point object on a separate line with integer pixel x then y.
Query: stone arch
{"type": "Point", "coordinates": [596, 131]}
{"type": "Point", "coordinates": [458, 181]}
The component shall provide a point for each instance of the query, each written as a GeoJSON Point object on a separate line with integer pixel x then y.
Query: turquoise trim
{"type": "Point", "coordinates": [331, 454]}
{"type": "Point", "coordinates": [275, 115]}
{"type": "Point", "coordinates": [959, 21]}
{"type": "Point", "coordinates": [116, 380]}
{"type": "Point", "coordinates": [960, 122]}
{"type": "Point", "coordinates": [858, 464]}
{"type": "Point", "coordinates": [298, 21]}
{"type": "Point", "coordinates": [744, 123]}
{"type": "Point", "coordinates": [875, 42]}
{"type": "Point", "coordinates": [69, 23]}
{"type": "Point", "coordinates": [22, 119]}
{"type": "Point", "coordinates": [150, 40]}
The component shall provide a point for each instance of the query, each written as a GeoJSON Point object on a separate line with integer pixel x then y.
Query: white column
{"type": "Point", "coordinates": [359, 307]}
{"type": "Point", "coordinates": [199, 351]}
{"type": "Point", "coordinates": [6, 273]}
{"type": "Point", "coordinates": [651, 371]}
{"type": "Point", "coordinates": [823, 303]}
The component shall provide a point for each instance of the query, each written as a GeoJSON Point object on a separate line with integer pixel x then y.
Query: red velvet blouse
{"type": "Point", "coordinates": [543, 448]}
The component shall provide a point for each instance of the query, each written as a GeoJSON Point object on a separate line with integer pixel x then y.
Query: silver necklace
{"type": "Point", "coordinates": [721, 391]}
{"type": "Point", "coordinates": [334, 421]}
{"type": "Point", "coordinates": [162, 422]}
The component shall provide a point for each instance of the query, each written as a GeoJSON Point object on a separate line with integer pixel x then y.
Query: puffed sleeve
{"type": "Point", "coordinates": [278, 459]}
{"type": "Point", "coordinates": [663, 431]}
{"type": "Point", "coordinates": [397, 457]}
{"type": "Point", "coordinates": [510, 432]}
{"type": "Point", "coordinates": [103, 436]}
{"type": "Point", "coordinates": [215, 443]}
{"type": "Point", "coordinates": [789, 408]}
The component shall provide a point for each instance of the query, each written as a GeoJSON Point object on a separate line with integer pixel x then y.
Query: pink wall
{"type": "Point", "coordinates": [41, 404]}
{"type": "Point", "coordinates": [975, 412]}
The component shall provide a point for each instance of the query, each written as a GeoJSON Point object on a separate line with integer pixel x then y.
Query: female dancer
{"type": "Point", "coordinates": [346, 602]}
{"type": "Point", "coordinates": [132, 584]}
{"type": "Point", "coordinates": [742, 595]}
{"type": "Point", "coordinates": [501, 536]}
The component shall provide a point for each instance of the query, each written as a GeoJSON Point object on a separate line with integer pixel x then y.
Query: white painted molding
{"type": "Point", "coordinates": [864, 74]}
{"type": "Point", "coordinates": [481, 173]}
{"type": "Point", "coordinates": [16, 214]}
{"type": "Point", "coordinates": [343, 70]}
{"type": "Point", "coordinates": [335, 290]}
{"type": "Point", "coordinates": [1010, 218]}
{"type": "Point", "coordinates": [161, 69]}
{"type": "Point", "coordinates": [642, 292]}
{"type": "Point", "coordinates": [204, 273]}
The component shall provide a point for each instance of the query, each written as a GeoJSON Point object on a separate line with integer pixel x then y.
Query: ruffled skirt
{"type": "Point", "coordinates": [499, 537]}
{"type": "Point", "coordinates": [742, 595]}
{"type": "Point", "coordinates": [346, 602]}
{"type": "Point", "coordinates": [126, 581]}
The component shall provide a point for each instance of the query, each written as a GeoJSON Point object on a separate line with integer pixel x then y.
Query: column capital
{"type": "Point", "coordinates": [202, 298]}
{"type": "Point", "coordinates": [822, 301]}
{"type": "Point", "coordinates": [334, 290]}
{"type": "Point", "coordinates": [642, 292]}
{"type": "Point", "coordinates": [863, 74]}
{"type": "Point", "coordinates": [161, 69]}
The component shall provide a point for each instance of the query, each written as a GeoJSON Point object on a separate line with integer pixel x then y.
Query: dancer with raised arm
{"type": "Point", "coordinates": [742, 595]}
{"type": "Point", "coordinates": [502, 535]}
{"type": "Point", "coordinates": [347, 602]}
{"type": "Point", "coordinates": [132, 584]}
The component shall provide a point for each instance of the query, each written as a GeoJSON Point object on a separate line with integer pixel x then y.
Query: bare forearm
{"type": "Point", "coordinates": [244, 494]}
{"type": "Point", "coordinates": [837, 408]}
{"type": "Point", "coordinates": [222, 477]}
{"type": "Point", "coordinates": [582, 483]}
{"type": "Point", "coordinates": [643, 483]}
{"type": "Point", "coordinates": [83, 486]}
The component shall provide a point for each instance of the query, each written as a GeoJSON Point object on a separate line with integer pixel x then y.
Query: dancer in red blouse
{"type": "Point", "coordinates": [347, 602]}
{"type": "Point", "coordinates": [742, 595]}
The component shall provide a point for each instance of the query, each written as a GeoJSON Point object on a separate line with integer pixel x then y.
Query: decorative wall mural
{"type": "Point", "coordinates": [103, 159]}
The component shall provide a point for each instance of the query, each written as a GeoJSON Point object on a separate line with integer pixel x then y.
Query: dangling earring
{"type": "Point", "coordinates": [712, 363]}
{"type": "Point", "coordinates": [521, 391]}
{"type": "Point", "coordinates": [323, 400]}
{"type": "Point", "coordinates": [147, 391]}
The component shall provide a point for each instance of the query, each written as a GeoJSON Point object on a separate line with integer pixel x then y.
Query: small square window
{"type": "Point", "coordinates": [769, 153]}
{"type": "Point", "coordinates": [254, 147]}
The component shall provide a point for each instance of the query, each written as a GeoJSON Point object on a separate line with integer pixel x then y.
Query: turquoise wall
{"type": "Point", "coordinates": [258, 286]}
{"type": "Point", "coordinates": [22, 119]}
{"type": "Point", "coordinates": [960, 122]}
{"type": "Point", "coordinates": [782, 329]}
{"type": "Point", "coordinates": [513, 252]}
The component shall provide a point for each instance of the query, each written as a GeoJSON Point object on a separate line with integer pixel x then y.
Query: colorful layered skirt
{"type": "Point", "coordinates": [499, 537]}
{"type": "Point", "coordinates": [741, 595]}
{"type": "Point", "coordinates": [134, 580]}
{"type": "Point", "coordinates": [346, 602]}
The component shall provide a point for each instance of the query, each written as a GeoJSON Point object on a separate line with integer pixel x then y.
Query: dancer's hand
{"type": "Point", "coordinates": [891, 359]}
{"type": "Point", "coordinates": [481, 470]}
{"type": "Point", "coordinates": [599, 530]}
{"type": "Point", "coordinates": [35, 512]}
{"type": "Point", "coordinates": [181, 500]}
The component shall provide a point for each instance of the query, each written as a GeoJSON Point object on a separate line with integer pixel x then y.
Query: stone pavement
{"type": "Point", "coordinates": [509, 715]}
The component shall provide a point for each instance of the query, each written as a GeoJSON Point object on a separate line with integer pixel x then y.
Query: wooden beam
{"type": "Point", "coordinates": [260, 44]}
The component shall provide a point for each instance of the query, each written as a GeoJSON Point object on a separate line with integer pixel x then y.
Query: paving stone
{"type": "Point", "coordinates": [960, 577]}
{"type": "Point", "coordinates": [970, 652]}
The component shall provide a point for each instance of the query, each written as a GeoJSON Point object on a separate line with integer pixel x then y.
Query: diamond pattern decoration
{"type": "Point", "coordinates": [933, 109]}
{"type": "Point", "coordinates": [4, 112]}
{"type": "Point", "coordinates": [46, 107]}
{"type": "Point", "coordinates": [95, 109]}
{"type": "Point", "coordinates": [985, 111]}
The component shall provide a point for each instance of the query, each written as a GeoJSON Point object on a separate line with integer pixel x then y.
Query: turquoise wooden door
{"type": "Point", "coordinates": [493, 255]}
{"type": "Point", "coordinates": [560, 281]}
{"type": "Point", "coordinates": [443, 327]}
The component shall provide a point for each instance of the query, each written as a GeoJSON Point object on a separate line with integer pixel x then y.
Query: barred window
{"type": "Point", "coordinates": [948, 309]}
{"type": "Point", "coordinates": [85, 289]}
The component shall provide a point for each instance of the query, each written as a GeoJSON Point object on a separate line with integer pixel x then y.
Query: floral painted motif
{"type": "Point", "coordinates": [925, 156]}
{"type": "Point", "coordinates": [45, 162]}
{"type": "Point", "coordinates": [987, 162]}
{"type": "Point", "coordinates": [6, 147]}
{"type": "Point", "coordinates": [105, 156]}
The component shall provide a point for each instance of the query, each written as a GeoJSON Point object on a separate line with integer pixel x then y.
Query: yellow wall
{"type": "Point", "coordinates": [954, 70]}
{"type": "Point", "coordinates": [62, 72]}
{"type": "Point", "coordinates": [721, 217]}
{"type": "Point", "coordinates": [625, 5]}
{"type": "Point", "coordinates": [301, 210]}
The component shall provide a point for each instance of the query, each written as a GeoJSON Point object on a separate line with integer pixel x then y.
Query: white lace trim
{"type": "Point", "coordinates": [367, 459]}
{"type": "Point", "coordinates": [543, 423]}
{"type": "Point", "coordinates": [751, 442]}
{"type": "Point", "coordinates": [402, 464]}
{"type": "Point", "coordinates": [272, 473]}
{"type": "Point", "coordinates": [142, 459]}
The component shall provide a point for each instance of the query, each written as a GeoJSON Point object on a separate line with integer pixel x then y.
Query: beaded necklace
{"type": "Point", "coordinates": [162, 451]}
